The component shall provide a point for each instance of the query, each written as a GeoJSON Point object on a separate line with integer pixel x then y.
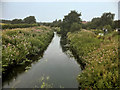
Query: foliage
{"type": "Point", "coordinates": [6, 21]}
{"type": "Point", "coordinates": [75, 27]}
{"type": "Point", "coordinates": [107, 19]}
{"type": "Point", "coordinates": [30, 20]}
{"type": "Point", "coordinates": [97, 31]}
{"type": "Point", "coordinates": [16, 21]}
{"type": "Point", "coordinates": [117, 24]}
{"type": "Point", "coordinates": [27, 20]}
{"type": "Point", "coordinates": [101, 60]}
{"type": "Point", "coordinates": [11, 26]}
{"type": "Point", "coordinates": [72, 17]}
{"type": "Point", "coordinates": [100, 22]}
{"type": "Point", "coordinates": [83, 42]}
{"type": "Point", "coordinates": [17, 44]}
{"type": "Point", "coordinates": [108, 27]}
{"type": "Point", "coordinates": [56, 23]}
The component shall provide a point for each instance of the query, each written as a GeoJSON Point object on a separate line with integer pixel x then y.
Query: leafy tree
{"type": "Point", "coordinates": [72, 17]}
{"type": "Point", "coordinates": [117, 24]}
{"type": "Point", "coordinates": [16, 21]}
{"type": "Point", "coordinates": [107, 19]}
{"type": "Point", "coordinates": [100, 22]}
{"type": "Point", "coordinates": [56, 23]}
{"type": "Point", "coordinates": [95, 23]}
{"type": "Point", "coordinates": [30, 20]}
{"type": "Point", "coordinates": [75, 27]}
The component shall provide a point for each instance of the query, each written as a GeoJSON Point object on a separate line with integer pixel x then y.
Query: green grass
{"type": "Point", "coordinates": [100, 56]}
{"type": "Point", "coordinates": [19, 43]}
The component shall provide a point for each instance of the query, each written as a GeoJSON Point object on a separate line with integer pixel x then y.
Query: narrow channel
{"type": "Point", "coordinates": [55, 68]}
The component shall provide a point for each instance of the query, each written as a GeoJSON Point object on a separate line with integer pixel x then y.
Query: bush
{"type": "Point", "coordinates": [108, 27]}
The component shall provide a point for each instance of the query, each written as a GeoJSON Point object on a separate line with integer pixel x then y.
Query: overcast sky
{"type": "Point", "coordinates": [49, 11]}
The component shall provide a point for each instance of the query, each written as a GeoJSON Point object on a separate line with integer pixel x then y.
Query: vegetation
{"type": "Point", "coordinates": [100, 57]}
{"type": "Point", "coordinates": [100, 22]}
{"type": "Point", "coordinates": [11, 26]}
{"type": "Point", "coordinates": [19, 23]}
{"type": "Point", "coordinates": [19, 44]}
{"type": "Point", "coordinates": [70, 21]}
{"type": "Point", "coordinates": [83, 42]}
{"type": "Point", "coordinates": [27, 20]}
{"type": "Point", "coordinates": [97, 50]}
{"type": "Point", "coordinates": [75, 27]}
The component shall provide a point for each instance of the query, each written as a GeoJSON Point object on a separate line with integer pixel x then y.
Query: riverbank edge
{"type": "Point", "coordinates": [80, 59]}
{"type": "Point", "coordinates": [28, 57]}
{"type": "Point", "coordinates": [66, 44]}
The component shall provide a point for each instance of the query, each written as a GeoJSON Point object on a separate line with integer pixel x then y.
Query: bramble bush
{"type": "Point", "coordinates": [18, 43]}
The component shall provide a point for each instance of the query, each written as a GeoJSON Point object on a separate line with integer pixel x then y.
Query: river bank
{"type": "Point", "coordinates": [19, 45]}
{"type": "Point", "coordinates": [100, 56]}
{"type": "Point", "coordinates": [54, 70]}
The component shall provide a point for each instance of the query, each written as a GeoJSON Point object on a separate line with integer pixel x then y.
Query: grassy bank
{"type": "Point", "coordinates": [19, 44]}
{"type": "Point", "coordinates": [100, 56]}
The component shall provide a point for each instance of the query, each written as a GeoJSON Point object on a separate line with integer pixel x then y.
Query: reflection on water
{"type": "Point", "coordinates": [55, 69]}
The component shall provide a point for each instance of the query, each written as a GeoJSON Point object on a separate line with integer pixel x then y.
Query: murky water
{"type": "Point", "coordinates": [55, 68]}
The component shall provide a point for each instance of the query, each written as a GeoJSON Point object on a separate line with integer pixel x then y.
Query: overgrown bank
{"type": "Point", "coordinates": [19, 44]}
{"type": "Point", "coordinates": [100, 56]}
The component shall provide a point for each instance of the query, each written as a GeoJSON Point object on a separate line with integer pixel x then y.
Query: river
{"type": "Point", "coordinates": [55, 69]}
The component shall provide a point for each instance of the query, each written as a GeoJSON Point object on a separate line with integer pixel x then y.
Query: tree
{"type": "Point", "coordinates": [107, 19]}
{"type": "Point", "coordinates": [117, 24]}
{"type": "Point", "coordinates": [30, 20]}
{"type": "Point", "coordinates": [75, 27]}
{"type": "Point", "coordinates": [100, 22]}
{"type": "Point", "coordinates": [72, 17]}
{"type": "Point", "coordinates": [16, 21]}
{"type": "Point", "coordinates": [56, 23]}
{"type": "Point", "coordinates": [95, 23]}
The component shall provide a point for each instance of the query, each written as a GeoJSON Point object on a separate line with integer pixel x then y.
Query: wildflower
{"type": "Point", "coordinates": [9, 44]}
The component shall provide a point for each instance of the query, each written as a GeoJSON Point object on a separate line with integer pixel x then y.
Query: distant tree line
{"type": "Point", "coordinates": [105, 21]}
{"type": "Point", "coordinates": [72, 22]}
{"type": "Point", "coordinates": [27, 20]}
